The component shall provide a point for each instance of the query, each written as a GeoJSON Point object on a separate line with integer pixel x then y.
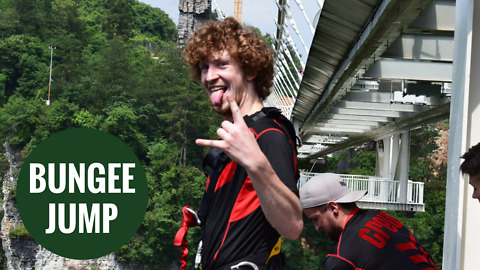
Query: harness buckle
{"type": "Point", "coordinates": [198, 257]}
{"type": "Point", "coordinates": [244, 263]}
{"type": "Point", "coordinates": [197, 219]}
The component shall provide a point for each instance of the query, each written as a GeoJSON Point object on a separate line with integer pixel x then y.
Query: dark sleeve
{"type": "Point", "coordinates": [281, 155]}
{"type": "Point", "coordinates": [335, 263]}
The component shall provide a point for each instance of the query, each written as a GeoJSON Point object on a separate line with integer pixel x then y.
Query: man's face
{"type": "Point", "coordinates": [475, 182]}
{"type": "Point", "coordinates": [324, 219]}
{"type": "Point", "coordinates": [221, 75]}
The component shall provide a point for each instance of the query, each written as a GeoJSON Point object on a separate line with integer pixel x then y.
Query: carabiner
{"type": "Point", "coordinates": [245, 263]}
{"type": "Point", "coordinates": [197, 219]}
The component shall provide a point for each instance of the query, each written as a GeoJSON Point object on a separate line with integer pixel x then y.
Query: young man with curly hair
{"type": "Point", "coordinates": [252, 197]}
{"type": "Point", "coordinates": [471, 166]}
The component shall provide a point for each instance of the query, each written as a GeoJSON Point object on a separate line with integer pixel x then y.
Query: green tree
{"type": "Point", "coordinates": [19, 232]}
{"type": "Point", "coordinates": [59, 116]}
{"type": "Point", "coordinates": [351, 161]}
{"type": "Point", "coordinates": [8, 18]}
{"type": "Point", "coordinates": [121, 121]}
{"type": "Point", "coordinates": [84, 118]}
{"type": "Point", "coordinates": [119, 19]}
{"type": "Point", "coordinates": [110, 80]}
{"type": "Point", "coordinates": [23, 117]}
{"type": "Point", "coordinates": [365, 162]}
{"type": "Point", "coordinates": [34, 17]}
{"type": "Point", "coordinates": [67, 18]}
{"type": "Point", "coordinates": [23, 64]}
{"type": "Point", "coordinates": [154, 24]}
{"type": "Point", "coordinates": [69, 38]}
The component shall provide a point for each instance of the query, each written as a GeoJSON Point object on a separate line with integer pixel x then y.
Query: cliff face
{"type": "Point", "coordinates": [193, 13]}
{"type": "Point", "coordinates": [26, 253]}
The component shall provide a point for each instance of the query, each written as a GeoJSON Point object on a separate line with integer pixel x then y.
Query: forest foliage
{"type": "Point", "coordinates": [117, 68]}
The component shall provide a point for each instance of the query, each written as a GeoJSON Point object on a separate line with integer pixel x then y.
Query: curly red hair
{"type": "Point", "coordinates": [243, 45]}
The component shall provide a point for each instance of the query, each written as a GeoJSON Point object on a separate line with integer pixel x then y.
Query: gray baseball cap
{"type": "Point", "coordinates": [325, 187]}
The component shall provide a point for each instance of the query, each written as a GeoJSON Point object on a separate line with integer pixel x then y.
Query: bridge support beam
{"type": "Point", "coordinates": [404, 165]}
{"type": "Point", "coordinates": [383, 153]}
{"type": "Point", "coordinates": [393, 156]}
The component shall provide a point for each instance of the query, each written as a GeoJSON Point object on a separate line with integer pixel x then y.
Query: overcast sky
{"type": "Point", "coordinates": [258, 13]}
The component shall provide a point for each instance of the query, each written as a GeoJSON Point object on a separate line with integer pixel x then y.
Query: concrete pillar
{"type": "Point", "coordinates": [394, 156]}
{"type": "Point", "coordinates": [387, 142]}
{"type": "Point", "coordinates": [380, 155]}
{"type": "Point", "coordinates": [462, 213]}
{"type": "Point", "coordinates": [403, 167]}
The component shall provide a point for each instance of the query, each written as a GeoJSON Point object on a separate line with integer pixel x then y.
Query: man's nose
{"type": "Point", "coordinates": [212, 74]}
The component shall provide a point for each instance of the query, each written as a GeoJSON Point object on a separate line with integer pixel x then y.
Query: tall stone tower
{"type": "Point", "coordinates": [193, 13]}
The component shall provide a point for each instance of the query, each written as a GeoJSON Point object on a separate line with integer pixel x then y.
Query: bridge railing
{"type": "Point", "coordinates": [380, 190]}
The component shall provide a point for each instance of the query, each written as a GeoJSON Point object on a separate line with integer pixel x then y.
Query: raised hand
{"type": "Point", "coordinates": [236, 139]}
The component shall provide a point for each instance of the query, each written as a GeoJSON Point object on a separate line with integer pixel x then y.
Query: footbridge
{"type": "Point", "coordinates": [383, 193]}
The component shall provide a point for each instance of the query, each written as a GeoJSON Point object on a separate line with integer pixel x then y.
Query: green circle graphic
{"type": "Point", "coordinates": [82, 193]}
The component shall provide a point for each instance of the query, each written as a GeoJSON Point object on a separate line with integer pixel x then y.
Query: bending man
{"type": "Point", "coordinates": [364, 239]}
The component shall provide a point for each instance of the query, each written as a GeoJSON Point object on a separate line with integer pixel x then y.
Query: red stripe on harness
{"type": "Point", "coordinates": [227, 175]}
{"type": "Point", "coordinates": [247, 202]}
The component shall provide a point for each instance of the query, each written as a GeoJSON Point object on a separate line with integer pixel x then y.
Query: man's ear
{"type": "Point", "coordinates": [332, 206]}
{"type": "Point", "coordinates": [251, 76]}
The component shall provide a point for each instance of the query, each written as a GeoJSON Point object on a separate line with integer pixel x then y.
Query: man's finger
{"type": "Point", "coordinates": [227, 125]}
{"type": "Point", "coordinates": [236, 114]}
{"type": "Point", "coordinates": [210, 143]}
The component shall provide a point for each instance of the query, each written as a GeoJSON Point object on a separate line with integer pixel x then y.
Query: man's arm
{"type": "Point", "coordinates": [279, 204]}
{"type": "Point", "coordinates": [338, 263]}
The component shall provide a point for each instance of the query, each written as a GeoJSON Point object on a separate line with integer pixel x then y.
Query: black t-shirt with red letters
{"type": "Point", "coordinates": [374, 240]}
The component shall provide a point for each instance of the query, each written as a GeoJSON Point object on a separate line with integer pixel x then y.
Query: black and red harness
{"type": "Point", "coordinates": [221, 168]}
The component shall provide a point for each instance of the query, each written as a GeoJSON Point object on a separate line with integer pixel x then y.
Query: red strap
{"type": "Point", "coordinates": [181, 236]}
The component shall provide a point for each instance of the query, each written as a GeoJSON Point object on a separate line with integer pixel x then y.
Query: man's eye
{"type": "Point", "coordinates": [203, 67]}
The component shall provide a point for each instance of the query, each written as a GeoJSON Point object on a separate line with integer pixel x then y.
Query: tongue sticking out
{"type": "Point", "coordinates": [216, 97]}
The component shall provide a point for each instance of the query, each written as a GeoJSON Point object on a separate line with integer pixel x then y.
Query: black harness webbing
{"type": "Point", "coordinates": [216, 159]}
